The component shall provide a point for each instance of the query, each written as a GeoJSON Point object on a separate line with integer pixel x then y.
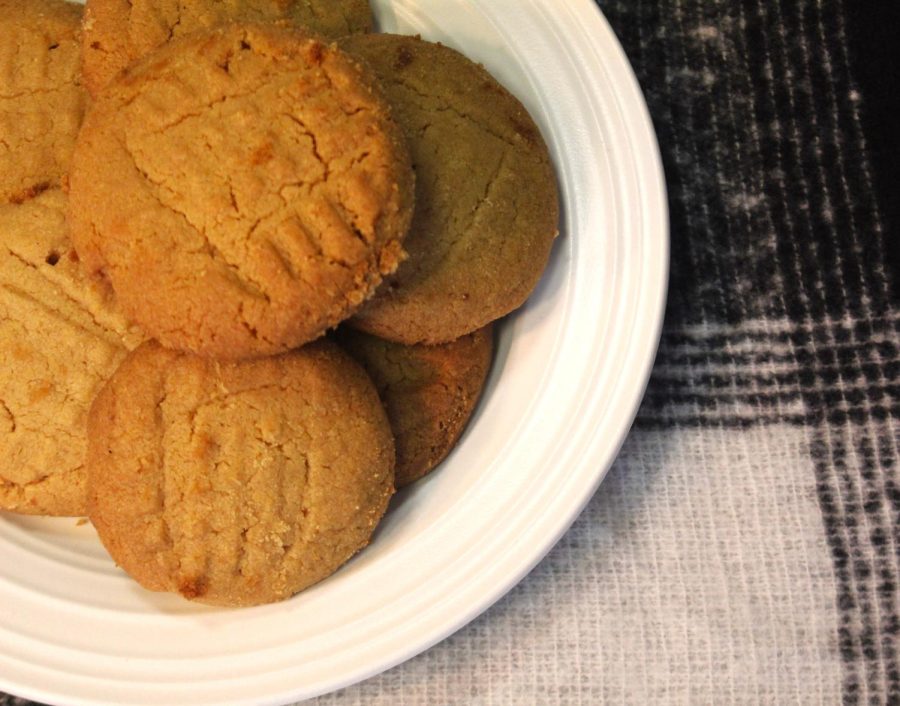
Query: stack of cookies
{"type": "Point", "coordinates": [251, 256]}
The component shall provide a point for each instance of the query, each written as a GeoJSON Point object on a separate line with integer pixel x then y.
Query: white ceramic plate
{"type": "Point", "coordinates": [568, 376]}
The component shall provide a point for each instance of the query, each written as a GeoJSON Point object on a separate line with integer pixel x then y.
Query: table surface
{"type": "Point", "coordinates": [745, 546]}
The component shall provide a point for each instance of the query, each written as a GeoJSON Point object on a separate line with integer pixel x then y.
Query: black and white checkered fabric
{"type": "Point", "coordinates": [783, 306]}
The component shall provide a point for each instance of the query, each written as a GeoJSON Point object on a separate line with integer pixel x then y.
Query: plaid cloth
{"type": "Point", "coordinates": [745, 547]}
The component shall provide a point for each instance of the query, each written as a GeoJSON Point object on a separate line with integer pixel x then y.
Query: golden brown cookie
{"type": "Point", "coordinates": [117, 32]}
{"type": "Point", "coordinates": [429, 392]}
{"type": "Point", "coordinates": [486, 197]}
{"type": "Point", "coordinates": [60, 338]}
{"type": "Point", "coordinates": [41, 100]}
{"type": "Point", "coordinates": [243, 189]}
{"type": "Point", "coordinates": [237, 483]}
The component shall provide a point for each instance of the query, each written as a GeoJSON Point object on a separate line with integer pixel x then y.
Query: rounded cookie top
{"type": "Point", "coordinates": [429, 392]}
{"type": "Point", "coordinates": [41, 100]}
{"type": "Point", "coordinates": [237, 483]}
{"type": "Point", "coordinates": [244, 190]}
{"type": "Point", "coordinates": [60, 338]}
{"type": "Point", "coordinates": [117, 32]}
{"type": "Point", "coordinates": [486, 198]}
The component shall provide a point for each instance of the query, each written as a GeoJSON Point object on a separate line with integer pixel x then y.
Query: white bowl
{"type": "Point", "coordinates": [568, 376]}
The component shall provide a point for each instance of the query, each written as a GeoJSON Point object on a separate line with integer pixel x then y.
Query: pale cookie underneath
{"type": "Point", "coordinates": [60, 338]}
{"type": "Point", "coordinates": [429, 392]}
{"type": "Point", "coordinates": [41, 99]}
{"type": "Point", "coordinates": [486, 198]}
{"type": "Point", "coordinates": [118, 32]}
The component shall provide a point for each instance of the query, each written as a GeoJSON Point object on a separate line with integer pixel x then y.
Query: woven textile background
{"type": "Point", "coordinates": [745, 547]}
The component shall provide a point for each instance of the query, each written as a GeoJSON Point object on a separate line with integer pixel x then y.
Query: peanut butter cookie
{"type": "Point", "coordinates": [244, 189]}
{"type": "Point", "coordinates": [486, 197]}
{"type": "Point", "coordinates": [60, 338]}
{"type": "Point", "coordinates": [237, 483]}
{"type": "Point", "coordinates": [41, 99]}
{"type": "Point", "coordinates": [429, 392]}
{"type": "Point", "coordinates": [117, 32]}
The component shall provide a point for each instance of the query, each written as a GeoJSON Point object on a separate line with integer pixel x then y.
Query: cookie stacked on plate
{"type": "Point", "coordinates": [176, 255]}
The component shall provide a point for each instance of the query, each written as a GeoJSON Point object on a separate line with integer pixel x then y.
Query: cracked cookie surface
{"type": "Point", "coordinates": [429, 392]}
{"type": "Point", "coordinates": [41, 99]}
{"type": "Point", "coordinates": [237, 483]}
{"type": "Point", "coordinates": [117, 32]}
{"type": "Point", "coordinates": [60, 338]}
{"type": "Point", "coordinates": [243, 189]}
{"type": "Point", "coordinates": [486, 198]}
